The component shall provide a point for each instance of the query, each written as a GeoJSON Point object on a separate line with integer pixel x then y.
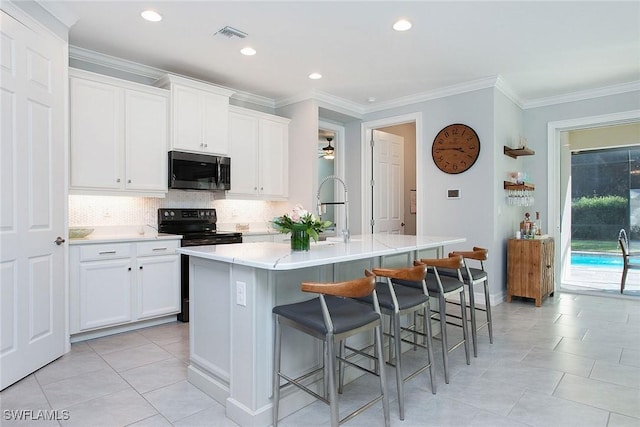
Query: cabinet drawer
{"type": "Point", "coordinates": [105, 251]}
{"type": "Point", "coordinates": [161, 247]}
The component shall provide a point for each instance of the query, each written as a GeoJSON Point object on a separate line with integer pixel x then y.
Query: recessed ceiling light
{"type": "Point", "coordinates": [151, 15]}
{"type": "Point", "coordinates": [248, 51]}
{"type": "Point", "coordinates": [315, 76]}
{"type": "Point", "coordinates": [371, 99]}
{"type": "Point", "coordinates": [402, 25]}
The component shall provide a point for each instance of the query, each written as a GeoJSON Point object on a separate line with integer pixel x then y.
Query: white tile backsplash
{"type": "Point", "coordinates": [120, 211]}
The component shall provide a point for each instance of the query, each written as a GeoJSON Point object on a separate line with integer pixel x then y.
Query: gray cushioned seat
{"type": "Point", "coordinates": [477, 273]}
{"type": "Point", "coordinates": [448, 283]}
{"type": "Point", "coordinates": [346, 314]}
{"type": "Point", "coordinates": [407, 296]}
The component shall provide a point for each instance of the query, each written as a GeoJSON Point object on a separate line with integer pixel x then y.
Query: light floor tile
{"type": "Point", "coordinates": [617, 420]}
{"type": "Point", "coordinates": [589, 349]}
{"type": "Point", "coordinates": [630, 357]}
{"type": "Point", "coordinates": [204, 417]}
{"type": "Point", "coordinates": [82, 388]}
{"type": "Point", "coordinates": [179, 400]}
{"type": "Point", "coordinates": [532, 347]}
{"type": "Point", "coordinates": [617, 374]}
{"type": "Point", "coordinates": [117, 342]}
{"type": "Point", "coordinates": [117, 409]}
{"type": "Point", "coordinates": [70, 365]}
{"type": "Point", "coordinates": [134, 357]}
{"type": "Point", "coordinates": [599, 394]}
{"type": "Point", "coordinates": [547, 411]}
{"type": "Point", "coordinates": [558, 361]}
{"type": "Point", "coordinates": [531, 378]}
{"type": "Point", "coordinates": [154, 421]}
{"type": "Point", "coordinates": [155, 375]}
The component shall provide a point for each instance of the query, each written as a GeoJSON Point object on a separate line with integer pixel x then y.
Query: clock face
{"type": "Point", "coordinates": [455, 149]}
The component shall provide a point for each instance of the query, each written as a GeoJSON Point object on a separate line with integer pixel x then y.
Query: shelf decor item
{"type": "Point", "coordinates": [302, 225]}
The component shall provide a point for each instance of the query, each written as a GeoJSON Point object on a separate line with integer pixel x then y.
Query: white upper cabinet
{"type": "Point", "coordinates": [118, 136]}
{"type": "Point", "coordinates": [199, 115]}
{"type": "Point", "coordinates": [259, 149]}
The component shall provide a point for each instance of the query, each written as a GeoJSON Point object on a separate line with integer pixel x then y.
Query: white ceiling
{"type": "Point", "coordinates": [540, 49]}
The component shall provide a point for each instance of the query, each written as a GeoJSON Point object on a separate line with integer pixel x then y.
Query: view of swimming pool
{"type": "Point", "coordinates": [595, 260]}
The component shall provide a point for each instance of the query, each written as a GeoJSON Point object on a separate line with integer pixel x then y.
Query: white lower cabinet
{"type": "Point", "coordinates": [157, 291]}
{"type": "Point", "coordinates": [104, 291]}
{"type": "Point", "coordinates": [122, 283]}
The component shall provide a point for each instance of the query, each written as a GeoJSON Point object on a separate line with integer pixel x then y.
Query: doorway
{"type": "Point", "coordinates": [330, 162]}
{"type": "Point", "coordinates": [560, 178]}
{"type": "Point", "coordinates": [409, 128]}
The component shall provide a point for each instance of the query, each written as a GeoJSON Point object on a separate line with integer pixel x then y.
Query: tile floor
{"type": "Point", "coordinates": [575, 361]}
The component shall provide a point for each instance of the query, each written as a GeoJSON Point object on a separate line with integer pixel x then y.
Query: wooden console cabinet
{"type": "Point", "coordinates": [530, 269]}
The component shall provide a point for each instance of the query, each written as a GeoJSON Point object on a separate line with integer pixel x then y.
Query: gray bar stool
{"type": "Point", "coordinates": [396, 301]}
{"type": "Point", "coordinates": [331, 319]}
{"type": "Point", "coordinates": [441, 287]}
{"type": "Point", "coordinates": [473, 276]}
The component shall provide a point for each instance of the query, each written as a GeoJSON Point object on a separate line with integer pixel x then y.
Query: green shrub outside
{"type": "Point", "coordinates": [598, 217]}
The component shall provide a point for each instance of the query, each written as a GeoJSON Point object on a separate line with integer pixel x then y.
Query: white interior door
{"type": "Point", "coordinates": [388, 185]}
{"type": "Point", "coordinates": [33, 209]}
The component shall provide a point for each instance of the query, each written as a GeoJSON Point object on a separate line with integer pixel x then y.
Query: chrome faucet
{"type": "Point", "coordinates": [345, 231]}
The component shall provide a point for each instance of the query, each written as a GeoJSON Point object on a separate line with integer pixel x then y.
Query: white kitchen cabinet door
{"type": "Point", "coordinates": [187, 107]}
{"type": "Point", "coordinates": [259, 147]}
{"type": "Point", "coordinates": [215, 134]}
{"type": "Point", "coordinates": [199, 115]}
{"type": "Point", "coordinates": [96, 111]}
{"type": "Point", "coordinates": [104, 291]}
{"type": "Point", "coordinates": [243, 137]}
{"type": "Point", "coordinates": [146, 141]}
{"type": "Point", "coordinates": [158, 286]}
{"type": "Point", "coordinates": [274, 163]}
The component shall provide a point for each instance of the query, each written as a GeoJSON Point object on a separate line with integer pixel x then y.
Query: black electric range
{"type": "Point", "coordinates": [198, 228]}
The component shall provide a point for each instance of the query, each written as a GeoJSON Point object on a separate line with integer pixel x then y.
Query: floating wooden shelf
{"type": "Point", "coordinates": [516, 152]}
{"type": "Point", "coordinates": [511, 186]}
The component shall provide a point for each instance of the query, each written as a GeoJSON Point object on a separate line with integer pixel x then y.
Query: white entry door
{"type": "Point", "coordinates": [33, 208]}
{"type": "Point", "coordinates": [388, 183]}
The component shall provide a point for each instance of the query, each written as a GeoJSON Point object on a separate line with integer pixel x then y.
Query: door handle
{"type": "Point", "coordinates": [402, 224]}
{"type": "Point", "coordinates": [59, 240]}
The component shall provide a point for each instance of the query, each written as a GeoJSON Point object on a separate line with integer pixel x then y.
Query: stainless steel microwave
{"type": "Point", "coordinates": [190, 171]}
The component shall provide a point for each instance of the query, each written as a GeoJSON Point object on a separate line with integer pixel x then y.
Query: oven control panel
{"type": "Point", "coordinates": [204, 215]}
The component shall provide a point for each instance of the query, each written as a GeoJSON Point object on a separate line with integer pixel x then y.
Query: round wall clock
{"type": "Point", "coordinates": [455, 149]}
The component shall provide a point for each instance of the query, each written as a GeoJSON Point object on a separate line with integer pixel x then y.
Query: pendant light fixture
{"type": "Point", "coordinates": [328, 150]}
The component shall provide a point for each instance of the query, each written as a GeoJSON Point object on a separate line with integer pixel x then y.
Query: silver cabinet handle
{"type": "Point", "coordinates": [129, 181]}
{"type": "Point", "coordinates": [59, 240]}
{"type": "Point", "coordinates": [159, 249]}
{"type": "Point", "coordinates": [118, 180]}
{"type": "Point", "coordinates": [106, 252]}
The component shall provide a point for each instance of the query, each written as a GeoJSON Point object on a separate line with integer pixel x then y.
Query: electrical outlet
{"type": "Point", "coordinates": [241, 294]}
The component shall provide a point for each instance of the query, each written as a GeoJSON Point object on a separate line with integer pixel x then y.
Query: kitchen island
{"type": "Point", "coordinates": [232, 291]}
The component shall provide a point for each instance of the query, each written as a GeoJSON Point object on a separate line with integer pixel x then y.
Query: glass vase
{"type": "Point", "coordinates": [299, 239]}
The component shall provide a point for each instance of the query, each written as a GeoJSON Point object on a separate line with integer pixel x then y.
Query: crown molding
{"type": "Point", "coordinates": [444, 92]}
{"type": "Point", "coordinates": [60, 11]}
{"type": "Point", "coordinates": [507, 90]}
{"type": "Point", "coordinates": [135, 68]}
{"type": "Point", "coordinates": [583, 95]}
{"type": "Point", "coordinates": [352, 108]}
{"type": "Point", "coordinates": [340, 104]}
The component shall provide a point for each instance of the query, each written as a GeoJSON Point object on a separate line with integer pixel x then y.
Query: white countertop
{"type": "Point", "coordinates": [121, 234]}
{"type": "Point", "coordinates": [278, 256]}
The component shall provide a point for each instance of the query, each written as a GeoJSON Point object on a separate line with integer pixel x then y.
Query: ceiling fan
{"type": "Point", "coordinates": [328, 152]}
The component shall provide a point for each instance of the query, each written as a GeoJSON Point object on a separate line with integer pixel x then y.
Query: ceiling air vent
{"type": "Point", "coordinates": [231, 32]}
